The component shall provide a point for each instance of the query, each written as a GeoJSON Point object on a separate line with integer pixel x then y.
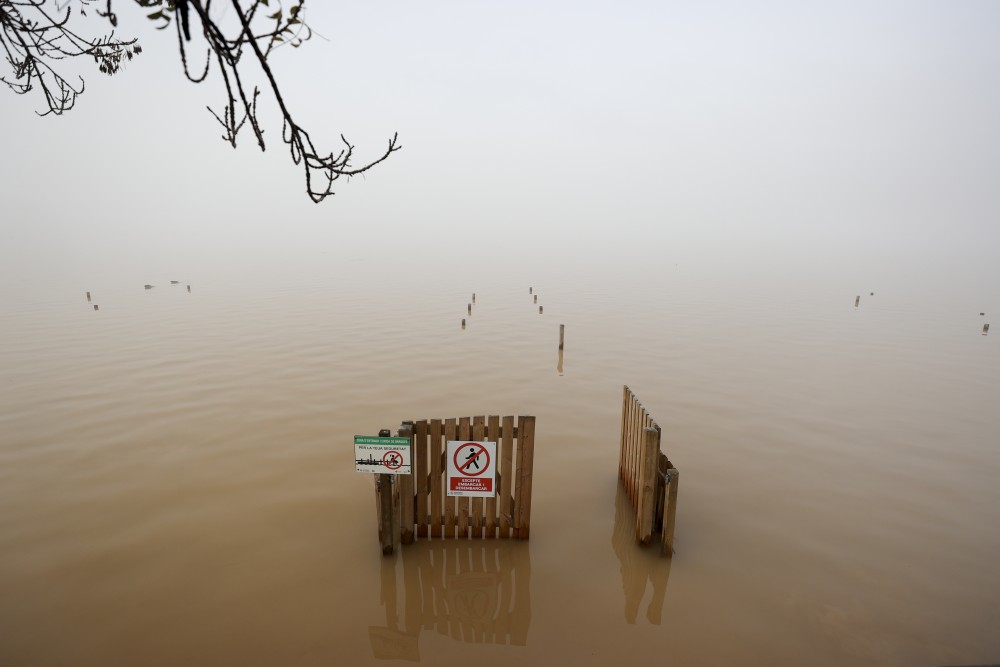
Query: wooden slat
{"type": "Point", "coordinates": [627, 462]}
{"type": "Point", "coordinates": [621, 443]}
{"type": "Point", "coordinates": [525, 457]}
{"type": "Point", "coordinates": [647, 488]}
{"type": "Point", "coordinates": [634, 418]}
{"type": "Point", "coordinates": [464, 433]}
{"type": "Point", "coordinates": [661, 490]}
{"type": "Point", "coordinates": [405, 485]}
{"type": "Point", "coordinates": [420, 473]}
{"type": "Point", "coordinates": [450, 433]}
{"type": "Point", "coordinates": [493, 429]}
{"type": "Point", "coordinates": [637, 421]}
{"type": "Point", "coordinates": [434, 482]}
{"type": "Point", "coordinates": [476, 522]}
{"type": "Point", "coordinates": [670, 512]}
{"type": "Point", "coordinates": [506, 478]}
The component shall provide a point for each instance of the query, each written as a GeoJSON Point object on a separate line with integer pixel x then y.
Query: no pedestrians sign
{"type": "Point", "coordinates": [472, 468]}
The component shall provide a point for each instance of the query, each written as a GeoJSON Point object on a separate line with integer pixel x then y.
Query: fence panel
{"type": "Point", "coordinates": [647, 475]}
{"type": "Point", "coordinates": [412, 507]}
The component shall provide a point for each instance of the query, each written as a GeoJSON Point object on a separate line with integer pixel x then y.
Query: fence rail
{"type": "Point", "coordinates": [417, 506]}
{"type": "Point", "coordinates": [649, 478]}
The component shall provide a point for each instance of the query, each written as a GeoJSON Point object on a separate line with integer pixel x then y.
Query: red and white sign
{"type": "Point", "coordinates": [472, 468]}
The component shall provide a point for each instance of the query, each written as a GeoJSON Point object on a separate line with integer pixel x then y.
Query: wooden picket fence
{"type": "Point", "coordinates": [650, 479]}
{"type": "Point", "coordinates": [417, 505]}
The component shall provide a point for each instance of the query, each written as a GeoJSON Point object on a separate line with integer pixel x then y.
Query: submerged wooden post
{"type": "Point", "coordinates": [470, 309]}
{"type": "Point", "coordinates": [562, 334]}
{"type": "Point", "coordinates": [857, 300]}
{"type": "Point", "coordinates": [383, 502]}
{"type": "Point", "coordinates": [670, 511]}
{"type": "Point", "coordinates": [384, 506]}
{"type": "Point", "coordinates": [473, 297]}
{"type": "Point", "coordinates": [505, 481]}
{"type": "Point", "coordinates": [539, 310]}
{"type": "Point", "coordinates": [986, 327]}
{"type": "Point", "coordinates": [88, 296]}
{"type": "Point", "coordinates": [525, 459]}
{"type": "Point", "coordinates": [96, 308]}
{"type": "Point", "coordinates": [405, 483]}
{"type": "Point", "coordinates": [536, 298]}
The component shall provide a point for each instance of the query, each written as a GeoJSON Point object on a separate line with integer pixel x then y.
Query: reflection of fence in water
{"type": "Point", "coordinates": [471, 592]}
{"type": "Point", "coordinates": [638, 566]}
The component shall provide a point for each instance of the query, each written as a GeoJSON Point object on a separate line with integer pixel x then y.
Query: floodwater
{"type": "Point", "coordinates": [177, 483]}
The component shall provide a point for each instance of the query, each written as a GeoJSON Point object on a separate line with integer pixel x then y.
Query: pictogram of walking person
{"type": "Point", "coordinates": [473, 458]}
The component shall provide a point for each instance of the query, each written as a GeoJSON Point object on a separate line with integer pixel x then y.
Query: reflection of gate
{"type": "Point", "coordinates": [417, 506]}
{"type": "Point", "coordinates": [639, 567]}
{"type": "Point", "coordinates": [471, 592]}
{"type": "Point", "coordinates": [649, 477]}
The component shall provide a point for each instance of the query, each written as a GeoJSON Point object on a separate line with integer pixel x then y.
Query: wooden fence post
{"type": "Point", "coordinates": [405, 486]}
{"type": "Point", "coordinates": [383, 501]}
{"type": "Point", "coordinates": [525, 459]}
{"type": "Point", "coordinates": [670, 511]}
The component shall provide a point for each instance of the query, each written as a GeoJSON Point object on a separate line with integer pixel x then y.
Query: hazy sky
{"type": "Point", "coordinates": [781, 134]}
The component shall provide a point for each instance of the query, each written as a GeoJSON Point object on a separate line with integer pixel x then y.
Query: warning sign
{"type": "Point", "coordinates": [472, 468]}
{"type": "Point", "coordinates": [387, 456]}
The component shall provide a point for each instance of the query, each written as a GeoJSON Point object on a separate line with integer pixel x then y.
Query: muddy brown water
{"type": "Point", "coordinates": [177, 484]}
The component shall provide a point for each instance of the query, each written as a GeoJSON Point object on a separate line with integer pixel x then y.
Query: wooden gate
{"type": "Point", "coordinates": [417, 505]}
{"type": "Point", "coordinates": [650, 479]}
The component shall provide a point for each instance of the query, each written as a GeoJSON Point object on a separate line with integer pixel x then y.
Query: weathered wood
{"type": "Point", "coordinates": [525, 456]}
{"type": "Point", "coordinates": [648, 477]}
{"type": "Point", "coordinates": [450, 433]}
{"type": "Point", "coordinates": [624, 434]}
{"type": "Point", "coordinates": [383, 496]}
{"type": "Point", "coordinates": [493, 429]}
{"type": "Point", "coordinates": [505, 483]}
{"type": "Point", "coordinates": [647, 489]}
{"type": "Point", "coordinates": [404, 483]}
{"type": "Point", "coordinates": [418, 505]}
{"type": "Point", "coordinates": [437, 520]}
{"type": "Point", "coordinates": [420, 475]}
{"type": "Point", "coordinates": [476, 518]}
{"type": "Point", "coordinates": [464, 433]}
{"type": "Point", "coordinates": [670, 512]}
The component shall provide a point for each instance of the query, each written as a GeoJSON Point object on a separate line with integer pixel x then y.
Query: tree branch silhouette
{"type": "Point", "coordinates": [36, 39]}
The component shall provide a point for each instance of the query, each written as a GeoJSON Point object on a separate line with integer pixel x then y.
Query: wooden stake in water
{"type": "Point", "coordinates": [986, 327]}
{"type": "Point", "coordinates": [95, 308]}
{"type": "Point", "coordinates": [470, 309]}
{"type": "Point", "coordinates": [473, 297]}
{"type": "Point", "coordinates": [539, 310]}
{"type": "Point", "coordinates": [857, 300]}
{"type": "Point", "coordinates": [88, 298]}
{"type": "Point", "coordinates": [562, 334]}
{"type": "Point", "coordinates": [529, 289]}
{"type": "Point", "coordinates": [536, 298]}
{"type": "Point", "coordinates": [189, 288]}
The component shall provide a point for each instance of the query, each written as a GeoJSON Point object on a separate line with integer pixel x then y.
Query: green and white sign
{"type": "Point", "coordinates": [385, 456]}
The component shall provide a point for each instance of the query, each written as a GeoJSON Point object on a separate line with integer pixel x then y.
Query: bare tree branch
{"type": "Point", "coordinates": [34, 37]}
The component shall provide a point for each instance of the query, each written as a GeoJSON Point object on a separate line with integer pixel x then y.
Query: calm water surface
{"type": "Point", "coordinates": [177, 484]}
